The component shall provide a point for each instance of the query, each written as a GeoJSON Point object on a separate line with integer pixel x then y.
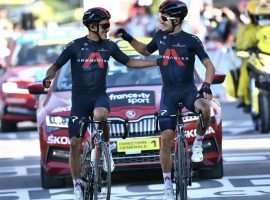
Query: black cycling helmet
{"type": "Point", "coordinates": [174, 8]}
{"type": "Point", "coordinates": [96, 14]}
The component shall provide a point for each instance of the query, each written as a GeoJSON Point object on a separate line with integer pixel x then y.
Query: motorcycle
{"type": "Point", "coordinates": [258, 69]}
{"type": "Point", "coordinates": [258, 66]}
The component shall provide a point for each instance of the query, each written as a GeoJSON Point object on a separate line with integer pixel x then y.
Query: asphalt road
{"type": "Point", "coordinates": [246, 156]}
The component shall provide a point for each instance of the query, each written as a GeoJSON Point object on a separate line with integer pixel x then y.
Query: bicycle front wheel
{"type": "Point", "coordinates": [87, 172]}
{"type": "Point", "coordinates": [180, 171]}
{"type": "Point", "coordinates": [102, 172]}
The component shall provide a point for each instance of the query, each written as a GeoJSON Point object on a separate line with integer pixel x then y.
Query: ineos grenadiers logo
{"type": "Point", "coordinates": [126, 98]}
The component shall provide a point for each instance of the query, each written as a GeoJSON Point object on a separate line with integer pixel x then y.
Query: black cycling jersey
{"type": "Point", "coordinates": [178, 57]}
{"type": "Point", "coordinates": [89, 63]}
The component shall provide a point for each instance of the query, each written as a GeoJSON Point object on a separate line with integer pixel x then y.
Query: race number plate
{"type": "Point", "coordinates": [137, 145]}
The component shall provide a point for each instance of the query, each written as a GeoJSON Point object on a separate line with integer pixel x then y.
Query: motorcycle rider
{"type": "Point", "coordinates": [259, 13]}
{"type": "Point", "coordinates": [245, 40]}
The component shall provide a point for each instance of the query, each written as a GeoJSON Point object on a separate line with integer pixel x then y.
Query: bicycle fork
{"type": "Point", "coordinates": [188, 164]}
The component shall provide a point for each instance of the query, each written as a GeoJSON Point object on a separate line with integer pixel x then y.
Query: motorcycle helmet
{"type": "Point", "coordinates": [263, 14]}
{"type": "Point", "coordinates": [251, 7]}
{"type": "Point", "coordinates": [174, 8]}
{"type": "Point", "coordinates": [251, 11]}
{"type": "Point", "coordinates": [96, 14]}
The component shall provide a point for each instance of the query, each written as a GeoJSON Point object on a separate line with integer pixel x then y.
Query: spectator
{"type": "Point", "coordinates": [143, 24]}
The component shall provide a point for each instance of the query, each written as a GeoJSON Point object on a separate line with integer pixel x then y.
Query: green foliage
{"type": "Point", "coordinates": [57, 5]}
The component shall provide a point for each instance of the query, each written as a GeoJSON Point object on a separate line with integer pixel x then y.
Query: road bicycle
{"type": "Point", "coordinates": [96, 164]}
{"type": "Point", "coordinates": [182, 165]}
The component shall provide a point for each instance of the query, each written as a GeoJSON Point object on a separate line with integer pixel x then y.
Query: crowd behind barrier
{"type": "Point", "coordinates": [217, 28]}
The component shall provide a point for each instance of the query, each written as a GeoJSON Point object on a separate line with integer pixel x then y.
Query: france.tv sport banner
{"type": "Point", "coordinates": [132, 98]}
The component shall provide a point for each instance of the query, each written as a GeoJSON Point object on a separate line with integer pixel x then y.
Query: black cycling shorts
{"type": "Point", "coordinates": [169, 101]}
{"type": "Point", "coordinates": [83, 105]}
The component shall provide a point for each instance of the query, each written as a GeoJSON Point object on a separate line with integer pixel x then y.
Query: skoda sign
{"type": "Point", "coordinates": [130, 113]}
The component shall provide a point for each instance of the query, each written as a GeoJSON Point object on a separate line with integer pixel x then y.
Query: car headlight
{"type": "Point", "coordinates": [57, 121]}
{"type": "Point", "coordinates": [11, 87]}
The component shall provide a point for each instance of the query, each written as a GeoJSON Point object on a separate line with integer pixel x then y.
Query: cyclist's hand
{"type": "Point", "coordinates": [118, 33]}
{"type": "Point", "coordinates": [159, 62]}
{"type": "Point", "coordinates": [46, 82]}
{"type": "Point", "coordinates": [206, 91]}
{"type": "Point", "coordinates": [122, 33]}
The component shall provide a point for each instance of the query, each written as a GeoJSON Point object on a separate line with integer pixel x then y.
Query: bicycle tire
{"type": "Point", "coordinates": [87, 172]}
{"type": "Point", "coordinates": [189, 168]}
{"type": "Point", "coordinates": [180, 171]}
{"type": "Point", "coordinates": [102, 179]}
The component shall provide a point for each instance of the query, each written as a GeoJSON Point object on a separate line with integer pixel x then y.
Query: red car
{"type": "Point", "coordinates": [31, 55]}
{"type": "Point", "coordinates": [134, 94]}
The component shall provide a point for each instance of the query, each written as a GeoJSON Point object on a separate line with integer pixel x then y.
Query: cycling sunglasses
{"type": "Point", "coordinates": [105, 26]}
{"type": "Point", "coordinates": [166, 18]}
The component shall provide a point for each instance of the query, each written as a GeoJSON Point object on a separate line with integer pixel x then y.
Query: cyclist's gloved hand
{"type": "Point", "coordinates": [159, 61]}
{"type": "Point", "coordinates": [206, 91]}
{"type": "Point", "coordinates": [122, 33]}
{"type": "Point", "coordinates": [46, 82]}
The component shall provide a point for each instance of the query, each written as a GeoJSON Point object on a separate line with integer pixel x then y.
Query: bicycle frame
{"type": "Point", "coordinates": [97, 153]}
{"type": "Point", "coordinates": [182, 162]}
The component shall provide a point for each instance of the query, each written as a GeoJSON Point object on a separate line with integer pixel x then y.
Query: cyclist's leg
{"type": "Point", "coordinates": [167, 127]}
{"type": "Point", "coordinates": [81, 106]}
{"type": "Point", "coordinates": [204, 105]}
{"type": "Point", "coordinates": [193, 102]}
{"type": "Point", "coordinates": [101, 112]}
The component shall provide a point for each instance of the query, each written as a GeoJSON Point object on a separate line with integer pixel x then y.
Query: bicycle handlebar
{"type": "Point", "coordinates": [179, 115]}
{"type": "Point", "coordinates": [84, 121]}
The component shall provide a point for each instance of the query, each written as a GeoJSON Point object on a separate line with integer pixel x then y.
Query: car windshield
{"type": "Point", "coordinates": [34, 54]}
{"type": "Point", "coordinates": [118, 75]}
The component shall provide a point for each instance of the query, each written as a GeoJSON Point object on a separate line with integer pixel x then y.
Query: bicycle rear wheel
{"type": "Point", "coordinates": [102, 173]}
{"type": "Point", "coordinates": [180, 171]}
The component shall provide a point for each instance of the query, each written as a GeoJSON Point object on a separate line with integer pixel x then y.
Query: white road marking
{"type": "Point", "coordinates": [236, 123]}
{"type": "Point", "coordinates": [21, 135]}
{"type": "Point", "coordinates": [229, 192]}
{"type": "Point", "coordinates": [248, 176]}
{"type": "Point", "coordinates": [56, 194]}
{"type": "Point", "coordinates": [244, 158]}
{"type": "Point", "coordinates": [247, 154]}
{"type": "Point", "coordinates": [246, 144]}
{"type": "Point", "coordinates": [229, 159]}
{"type": "Point", "coordinates": [19, 148]}
{"type": "Point", "coordinates": [31, 147]}
{"type": "Point", "coordinates": [223, 189]}
{"type": "Point", "coordinates": [261, 182]}
{"type": "Point", "coordinates": [17, 170]}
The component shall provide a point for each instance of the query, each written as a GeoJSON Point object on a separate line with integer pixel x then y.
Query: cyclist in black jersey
{"type": "Point", "coordinates": [177, 50]}
{"type": "Point", "coordinates": [89, 57]}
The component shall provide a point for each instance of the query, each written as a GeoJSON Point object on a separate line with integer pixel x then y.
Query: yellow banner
{"type": "Point", "coordinates": [138, 144]}
{"type": "Point", "coordinates": [16, 2]}
{"type": "Point", "coordinates": [127, 48]}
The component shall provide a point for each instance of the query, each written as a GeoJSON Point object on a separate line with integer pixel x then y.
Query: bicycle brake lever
{"type": "Point", "coordinates": [81, 124]}
{"type": "Point", "coordinates": [126, 129]}
{"type": "Point", "coordinates": [201, 120]}
{"type": "Point", "coordinates": [156, 122]}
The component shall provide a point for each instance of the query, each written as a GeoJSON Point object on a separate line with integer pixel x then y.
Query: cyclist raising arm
{"type": "Point", "coordinates": [89, 57]}
{"type": "Point", "coordinates": [177, 50]}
